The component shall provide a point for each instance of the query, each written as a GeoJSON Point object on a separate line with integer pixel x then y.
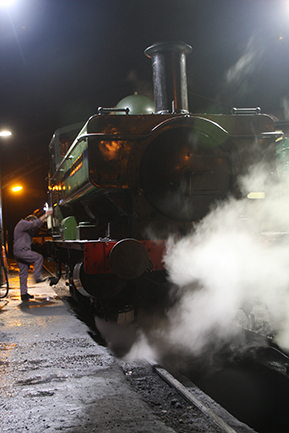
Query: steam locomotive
{"type": "Point", "coordinates": [136, 173]}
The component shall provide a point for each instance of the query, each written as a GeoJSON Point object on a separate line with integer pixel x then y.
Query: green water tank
{"type": "Point", "coordinates": [68, 228]}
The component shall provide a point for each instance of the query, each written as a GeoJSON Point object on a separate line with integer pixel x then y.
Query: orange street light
{"type": "Point", "coordinates": [17, 188]}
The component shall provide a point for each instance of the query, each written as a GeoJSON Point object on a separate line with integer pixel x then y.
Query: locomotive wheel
{"type": "Point", "coordinates": [100, 286]}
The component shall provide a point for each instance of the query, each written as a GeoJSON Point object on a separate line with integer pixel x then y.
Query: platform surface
{"type": "Point", "coordinates": [55, 377]}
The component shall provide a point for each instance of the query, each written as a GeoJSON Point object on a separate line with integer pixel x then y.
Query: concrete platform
{"type": "Point", "coordinates": [55, 377]}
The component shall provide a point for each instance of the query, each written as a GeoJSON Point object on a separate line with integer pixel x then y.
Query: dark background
{"type": "Point", "coordinates": [61, 59]}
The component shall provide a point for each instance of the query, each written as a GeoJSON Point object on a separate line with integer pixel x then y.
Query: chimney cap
{"type": "Point", "coordinates": [173, 47]}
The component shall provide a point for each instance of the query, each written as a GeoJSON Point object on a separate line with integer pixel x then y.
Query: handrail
{"type": "Point", "coordinates": [126, 137]}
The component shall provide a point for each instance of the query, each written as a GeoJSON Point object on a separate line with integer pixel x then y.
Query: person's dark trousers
{"type": "Point", "coordinates": [24, 259]}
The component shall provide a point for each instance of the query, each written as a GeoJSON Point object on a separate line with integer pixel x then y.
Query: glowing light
{"type": "Point", "coordinates": [256, 195]}
{"type": "Point", "coordinates": [5, 133]}
{"type": "Point", "coordinates": [17, 188]}
{"type": "Point", "coordinates": [6, 3]}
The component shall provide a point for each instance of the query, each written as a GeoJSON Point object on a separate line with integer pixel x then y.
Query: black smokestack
{"type": "Point", "coordinates": [169, 76]}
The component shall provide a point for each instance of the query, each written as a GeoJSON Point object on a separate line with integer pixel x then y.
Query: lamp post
{"type": "Point", "coordinates": [3, 134]}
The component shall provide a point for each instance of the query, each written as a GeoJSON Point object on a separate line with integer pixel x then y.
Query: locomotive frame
{"type": "Point", "coordinates": [136, 174]}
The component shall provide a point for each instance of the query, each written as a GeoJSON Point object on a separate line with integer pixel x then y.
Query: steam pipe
{"type": "Point", "coordinates": [169, 76]}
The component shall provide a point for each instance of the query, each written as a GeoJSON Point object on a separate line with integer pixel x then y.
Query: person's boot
{"type": "Point", "coordinates": [26, 297]}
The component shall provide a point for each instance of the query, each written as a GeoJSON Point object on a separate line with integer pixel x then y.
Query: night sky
{"type": "Point", "coordinates": [61, 59]}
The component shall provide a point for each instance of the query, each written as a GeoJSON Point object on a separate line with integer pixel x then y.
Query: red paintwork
{"type": "Point", "coordinates": [96, 255]}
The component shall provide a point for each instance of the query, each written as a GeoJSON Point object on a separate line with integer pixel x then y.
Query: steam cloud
{"type": "Point", "coordinates": [238, 80]}
{"type": "Point", "coordinates": [234, 262]}
{"type": "Point", "coordinates": [141, 86]}
{"type": "Point", "coordinates": [252, 80]}
{"type": "Point", "coordinates": [247, 63]}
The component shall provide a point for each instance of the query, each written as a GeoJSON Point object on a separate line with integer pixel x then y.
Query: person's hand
{"type": "Point", "coordinates": [49, 212]}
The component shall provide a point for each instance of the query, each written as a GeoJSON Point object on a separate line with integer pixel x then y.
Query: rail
{"type": "Point", "coordinates": [191, 398]}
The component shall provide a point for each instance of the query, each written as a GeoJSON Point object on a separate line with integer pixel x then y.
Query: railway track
{"type": "Point", "coordinates": [193, 395]}
{"type": "Point", "coordinates": [178, 402]}
{"type": "Point", "coordinates": [251, 396]}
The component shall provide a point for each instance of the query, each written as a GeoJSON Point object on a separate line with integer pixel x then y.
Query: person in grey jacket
{"type": "Point", "coordinates": [23, 253]}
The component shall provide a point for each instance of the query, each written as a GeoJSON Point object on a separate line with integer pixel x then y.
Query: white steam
{"type": "Point", "coordinates": [238, 78]}
{"type": "Point", "coordinates": [226, 265]}
{"type": "Point", "coordinates": [140, 86]}
{"type": "Point", "coordinates": [226, 269]}
{"type": "Point", "coordinates": [247, 63]}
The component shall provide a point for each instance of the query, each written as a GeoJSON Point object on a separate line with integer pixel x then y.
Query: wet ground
{"type": "Point", "coordinates": [55, 377]}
